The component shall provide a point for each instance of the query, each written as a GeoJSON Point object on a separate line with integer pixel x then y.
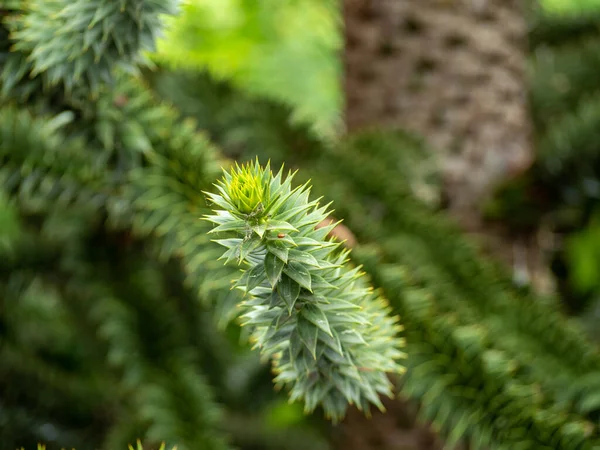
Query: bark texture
{"type": "Point", "coordinates": [451, 70]}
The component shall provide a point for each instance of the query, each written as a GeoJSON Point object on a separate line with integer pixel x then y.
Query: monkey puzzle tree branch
{"type": "Point", "coordinates": [330, 337]}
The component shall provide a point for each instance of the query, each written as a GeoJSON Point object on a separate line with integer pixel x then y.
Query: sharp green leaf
{"type": "Point", "coordinates": [247, 247]}
{"type": "Point", "coordinates": [299, 273]}
{"type": "Point", "coordinates": [295, 345]}
{"type": "Point", "coordinates": [260, 229]}
{"type": "Point", "coordinates": [274, 299]}
{"type": "Point", "coordinates": [273, 268]}
{"type": "Point", "coordinates": [280, 226]}
{"type": "Point", "coordinates": [282, 239]}
{"type": "Point", "coordinates": [315, 316]}
{"type": "Point", "coordinates": [351, 337]}
{"type": "Point", "coordinates": [233, 225]}
{"type": "Point", "coordinates": [289, 291]}
{"type": "Point", "coordinates": [308, 335]}
{"type": "Point", "coordinates": [255, 277]}
{"type": "Point", "coordinates": [229, 243]}
{"type": "Point", "coordinates": [278, 249]}
{"type": "Point", "coordinates": [303, 258]}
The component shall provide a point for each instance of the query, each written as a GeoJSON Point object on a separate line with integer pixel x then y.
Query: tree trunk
{"type": "Point", "coordinates": [452, 71]}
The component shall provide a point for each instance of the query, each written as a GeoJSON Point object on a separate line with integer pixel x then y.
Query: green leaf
{"type": "Point", "coordinates": [255, 277]}
{"type": "Point", "coordinates": [308, 335]}
{"type": "Point", "coordinates": [260, 318]}
{"type": "Point", "coordinates": [273, 268]}
{"type": "Point", "coordinates": [295, 345]}
{"type": "Point", "coordinates": [340, 305]}
{"type": "Point", "coordinates": [218, 200]}
{"type": "Point", "coordinates": [335, 355]}
{"type": "Point", "coordinates": [303, 257]}
{"type": "Point", "coordinates": [260, 229]}
{"type": "Point", "coordinates": [60, 120]}
{"type": "Point", "coordinates": [289, 291]}
{"type": "Point", "coordinates": [318, 282]}
{"type": "Point", "coordinates": [344, 386]}
{"type": "Point", "coordinates": [309, 242]}
{"type": "Point", "coordinates": [134, 137]}
{"type": "Point", "coordinates": [349, 319]}
{"type": "Point", "coordinates": [332, 341]}
{"type": "Point", "coordinates": [280, 226]}
{"type": "Point", "coordinates": [299, 274]}
{"type": "Point", "coordinates": [230, 255]}
{"type": "Point", "coordinates": [233, 225]}
{"type": "Point", "coordinates": [278, 249]}
{"type": "Point", "coordinates": [352, 337]}
{"type": "Point", "coordinates": [106, 133]}
{"type": "Point", "coordinates": [274, 299]}
{"type": "Point", "coordinates": [590, 403]}
{"type": "Point", "coordinates": [305, 361]}
{"type": "Point", "coordinates": [315, 394]}
{"type": "Point", "coordinates": [283, 320]}
{"type": "Point", "coordinates": [317, 317]}
{"type": "Point", "coordinates": [247, 247]}
{"type": "Point", "coordinates": [458, 429]}
{"type": "Point", "coordinates": [229, 243]}
{"type": "Point", "coordinates": [296, 211]}
{"type": "Point", "coordinates": [282, 239]}
{"type": "Point", "coordinates": [218, 219]}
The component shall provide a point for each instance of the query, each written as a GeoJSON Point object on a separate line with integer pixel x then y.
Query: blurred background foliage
{"type": "Point", "coordinates": [561, 191]}
{"type": "Point", "coordinates": [569, 6]}
{"type": "Point", "coordinates": [287, 51]}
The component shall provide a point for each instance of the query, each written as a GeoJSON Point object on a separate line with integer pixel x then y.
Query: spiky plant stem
{"type": "Point", "coordinates": [330, 337]}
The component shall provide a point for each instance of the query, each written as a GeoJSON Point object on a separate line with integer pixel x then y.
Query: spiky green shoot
{"type": "Point", "coordinates": [332, 340]}
{"type": "Point", "coordinates": [78, 43]}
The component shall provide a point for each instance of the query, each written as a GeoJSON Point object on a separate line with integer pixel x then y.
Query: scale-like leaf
{"type": "Point", "coordinates": [303, 258]}
{"type": "Point", "coordinates": [280, 226]}
{"type": "Point", "coordinates": [254, 277]}
{"type": "Point", "coordinates": [351, 337]}
{"type": "Point", "coordinates": [247, 247]}
{"type": "Point", "coordinates": [281, 239]}
{"type": "Point", "coordinates": [299, 273]}
{"type": "Point", "coordinates": [308, 335]}
{"type": "Point", "coordinates": [289, 291]}
{"type": "Point", "coordinates": [260, 229]}
{"type": "Point", "coordinates": [229, 243]}
{"type": "Point", "coordinates": [278, 249]}
{"type": "Point", "coordinates": [316, 316]}
{"type": "Point", "coordinates": [295, 345]}
{"type": "Point", "coordinates": [232, 225]}
{"type": "Point", "coordinates": [273, 268]}
{"type": "Point", "coordinates": [274, 299]}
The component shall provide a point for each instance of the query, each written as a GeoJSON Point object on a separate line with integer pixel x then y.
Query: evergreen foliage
{"type": "Point", "coordinates": [110, 283]}
{"type": "Point", "coordinates": [137, 447]}
{"type": "Point", "coordinates": [108, 188]}
{"type": "Point", "coordinates": [330, 338]}
{"type": "Point", "coordinates": [564, 90]}
{"type": "Point", "coordinates": [103, 337]}
{"type": "Point", "coordinates": [487, 362]}
{"type": "Point", "coordinates": [561, 190]}
{"type": "Point", "coordinates": [88, 39]}
{"type": "Point", "coordinates": [266, 48]}
{"type": "Point", "coordinates": [463, 314]}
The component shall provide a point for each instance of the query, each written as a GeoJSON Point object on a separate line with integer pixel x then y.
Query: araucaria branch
{"type": "Point", "coordinates": [332, 339]}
